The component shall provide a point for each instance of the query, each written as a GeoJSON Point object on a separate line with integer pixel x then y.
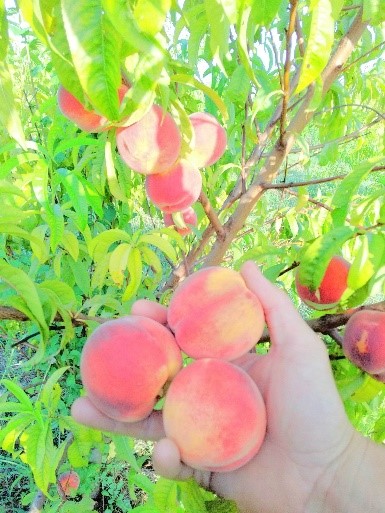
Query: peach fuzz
{"type": "Point", "coordinates": [364, 342]}
{"type": "Point", "coordinates": [151, 309]}
{"type": "Point", "coordinates": [176, 189]}
{"type": "Point", "coordinates": [124, 365]}
{"type": "Point", "coordinates": [213, 314]}
{"type": "Point", "coordinates": [189, 218]}
{"type": "Point", "coordinates": [215, 414]}
{"type": "Point", "coordinates": [152, 144]}
{"type": "Point", "coordinates": [210, 139]}
{"type": "Point", "coordinates": [333, 285]}
{"type": "Point", "coordinates": [68, 482]}
{"type": "Point", "coordinates": [86, 120]}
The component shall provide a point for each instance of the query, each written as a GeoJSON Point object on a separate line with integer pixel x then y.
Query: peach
{"type": "Point", "coordinates": [152, 144]}
{"type": "Point", "coordinates": [213, 314]}
{"type": "Point", "coordinates": [215, 414]}
{"type": "Point", "coordinates": [68, 482]}
{"type": "Point", "coordinates": [333, 285]}
{"type": "Point", "coordinates": [188, 217]}
{"type": "Point", "coordinates": [87, 120]}
{"type": "Point", "coordinates": [364, 342]}
{"type": "Point", "coordinates": [176, 189]}
{"type": "Point", "coordinates": [125, 364]}
{"type": "Point", "coordinates": [210, 139]}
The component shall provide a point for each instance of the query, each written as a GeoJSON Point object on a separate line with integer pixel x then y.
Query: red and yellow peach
{"type": "Point", "coordinates": [215, 414]}
{"type": "Point", "coordinates": [210, 139]}
{"type": "Point", "coordinates": [125, 364]}
{"type": "Point", "coordinates": [213, 314]}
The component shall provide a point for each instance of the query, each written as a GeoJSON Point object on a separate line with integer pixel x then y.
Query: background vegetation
{"type": "Point", "coordinates": [299, 87]}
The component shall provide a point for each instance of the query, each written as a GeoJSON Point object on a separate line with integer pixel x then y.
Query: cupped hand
{"type": "Point", "coordinates": [308, 432]}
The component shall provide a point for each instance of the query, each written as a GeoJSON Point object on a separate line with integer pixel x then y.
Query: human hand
{"type": "Point", "coordinates": [308, 433]}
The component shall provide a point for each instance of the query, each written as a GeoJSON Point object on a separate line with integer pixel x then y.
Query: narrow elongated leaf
{"type": "Point", "coordinates": [47, 396]}
{"type": "Point", "coordinates": [118, 262]}
{"type": "Point", "coordinates": [26, 289]}
{"type": "Point", "coordinates": [317, 256]}
{"type": "Point", "coordinates": [151, 14]}
{"type": "Point", "coordinates": [112, 179]}
{"type": "Point", "coordinates": [159, 242]}
{"type": "Point", "coordinates": [367, 261]}
{"type": "Point", "coordinates": [95, 50]}
{"type": "Point", "coordinates": [98, 247]}
{"type": "Point", "coordinates": [9, 115]}
{"type": "Point", "coordinates": [219, 31]}
{"type": "Point", "coordinates": [19, 393]}
{"type": "Point", "coordinates": [213, 95]}
{"type": "Point", "coordinates": [135, 268]}
{"type": "Point", "coordinates": [319, 43]}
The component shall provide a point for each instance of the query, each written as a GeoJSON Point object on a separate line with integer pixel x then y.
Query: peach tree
{"type": "Point", "coordinates": [270, 112]}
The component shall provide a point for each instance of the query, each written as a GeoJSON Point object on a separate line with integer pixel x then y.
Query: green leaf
{"type": "Point", "coordinates": [166, 496]}
{"type": "Point", "coordinates": [118, 262]}
{"type": "Point", "coordinates": [75, 191]}
{"type": "Point", "coordinates": [49, 395]}
{"type": "Point", "coordinates": [151, 14]}
{"type": "Point", "coordinates": [238, 88]}
{"type": "Point", "coordinates": [367, 261]}
{"type": "Point", "coordinates": [219, 30]}
{"type": "Point", "coordinates": [71, 244]}
{"type": "Point", "coordinates": [318, 255]}
{"type": "Point", "coordinates": [39, 454]}
{"type": "Point", "coordinates": [373, 12]}
{"type": "Point", "coordinates": [213, 95]}
{"type": "Point", "coordinates": [348, 187]}
{"type": "Point", "coordinates": [135, 268]}
{"type": "Point", "coordinates": [95, 48]}
{"type": "Point", "coordinates": [159, 242]}
{"type": "Point", "coordinates": [11, 432]}
{"type": "Point", "coordinates": [26, 289]}
{"type": "Point", "coordinates": [112, 179]}
{"type": "Point", "coordinates": [192, 497]}
{"type": "Point", "coordinates": [125, 450]}
{"type": "Point", "coordinates": [319, 43]}
{"type": "Point", "coordinates": [19, 393]}
{"type": "Point", "coordinates": [98, 247]}
{"type": "Point", "coordinates": [368, 390]}
{"type": "Point", "coordinates": [9, 115]}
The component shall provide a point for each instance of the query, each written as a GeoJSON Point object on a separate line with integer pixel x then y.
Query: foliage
{"type": "Point", "coordinates": [301, 180]}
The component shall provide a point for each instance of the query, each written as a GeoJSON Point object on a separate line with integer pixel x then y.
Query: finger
{"type": "Point", "coordinates": [167, 463]}
{"type": "Point", "coordinates": [150, 309]}
{"type": "Point", "coordinates": [284, 322]}
{"type": "Point", "coordinates": [150, 428]}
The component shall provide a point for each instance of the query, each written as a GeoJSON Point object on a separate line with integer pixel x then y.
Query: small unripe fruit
{"type": "Point", "coordinates": [176, 189]}
{"type": "Point", "coordinates": [210, 139]}
{"type": "Point", "coordinates": [68, 482]}
{"type": "Point", "coordinates": [215, 414]}
{"type": "Point", "coordinates": [213, 314]}
{"type": "Point", "coordinates": [333, 285]}
{"type": "Point", "coordinates": [125, 364]}
{"type": "Point", "coordinates": [364, 342]}
{"type": "Point", "coordinates": [188, 216]}
{"type": "Point", "coordinates": [152, 144]}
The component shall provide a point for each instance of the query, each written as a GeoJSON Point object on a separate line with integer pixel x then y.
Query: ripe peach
{"type": "Point", "coordinates": [210, 139]}
{"type": "Point", "coordinates": [68, 482]}
{"type": "Point", "coordinates": [333, 285]}
{"type": "Point", "coordinates": [189, 217]}
{"type": "Point", "coordinates": [176, 189]}
{"type": "Point", "coordinates": [87, 120]}
{"type": "Point", "coordinates": [125, 363]}
{"type": "Point", "coordinates": [152, 144]}
{"type": "Point", "coordinates": [215, 414]}
{"type": "Point", "coordinates": [364, 342]}
{"type": "Point", "coordinates": [213, 314]}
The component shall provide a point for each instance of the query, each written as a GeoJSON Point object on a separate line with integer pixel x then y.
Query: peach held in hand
{"type": "Point", "coordinates": [333, 285]}
{"type": "Point", "coordinates": [68, 482]}
{"type": "Point", "coordinates": [124, 365]}
{"type": "Point", "coordinates": [364, 342]}
{"type": "Point", "coordinates": [213, 314]}
{"type": "Point", "coordinates": [210, 139]}
{"type": "Point", "coordinates": [152, 144]}
{"type": "Point", "coordinates": [215, 414]}
{"type": "Point", "coordinates": [176, 189]}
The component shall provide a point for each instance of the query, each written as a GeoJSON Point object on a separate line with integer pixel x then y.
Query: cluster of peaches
{"type": "Point", "coordinates": [152, 146]}
{"type": "Point", "coordinates": [364, 338]}
{"type": "Point", "coordinates": [212, 409]}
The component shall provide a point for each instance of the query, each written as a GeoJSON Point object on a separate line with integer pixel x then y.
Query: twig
{"type": "Point", "coordinates": [286, 74]}
{"type": "Point", "coordinates": [212, 216]}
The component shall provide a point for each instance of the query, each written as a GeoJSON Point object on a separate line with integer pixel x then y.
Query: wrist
{"type": "Point", "coordinates": [354, 482]}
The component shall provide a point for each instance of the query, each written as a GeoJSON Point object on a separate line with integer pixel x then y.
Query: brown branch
{"type": "Point", "coordinates": [286, 74]}
{"type": "Point", "coordinates": [300, 39]}
{"type": "Point", "coordinates": [310, 200]}
{"type": "Point", "coordinates": [212, 216]}
{"type": "Point", "coordinates": [329, 322]}
{"type": "Point", "coordinates": [78, 319]}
